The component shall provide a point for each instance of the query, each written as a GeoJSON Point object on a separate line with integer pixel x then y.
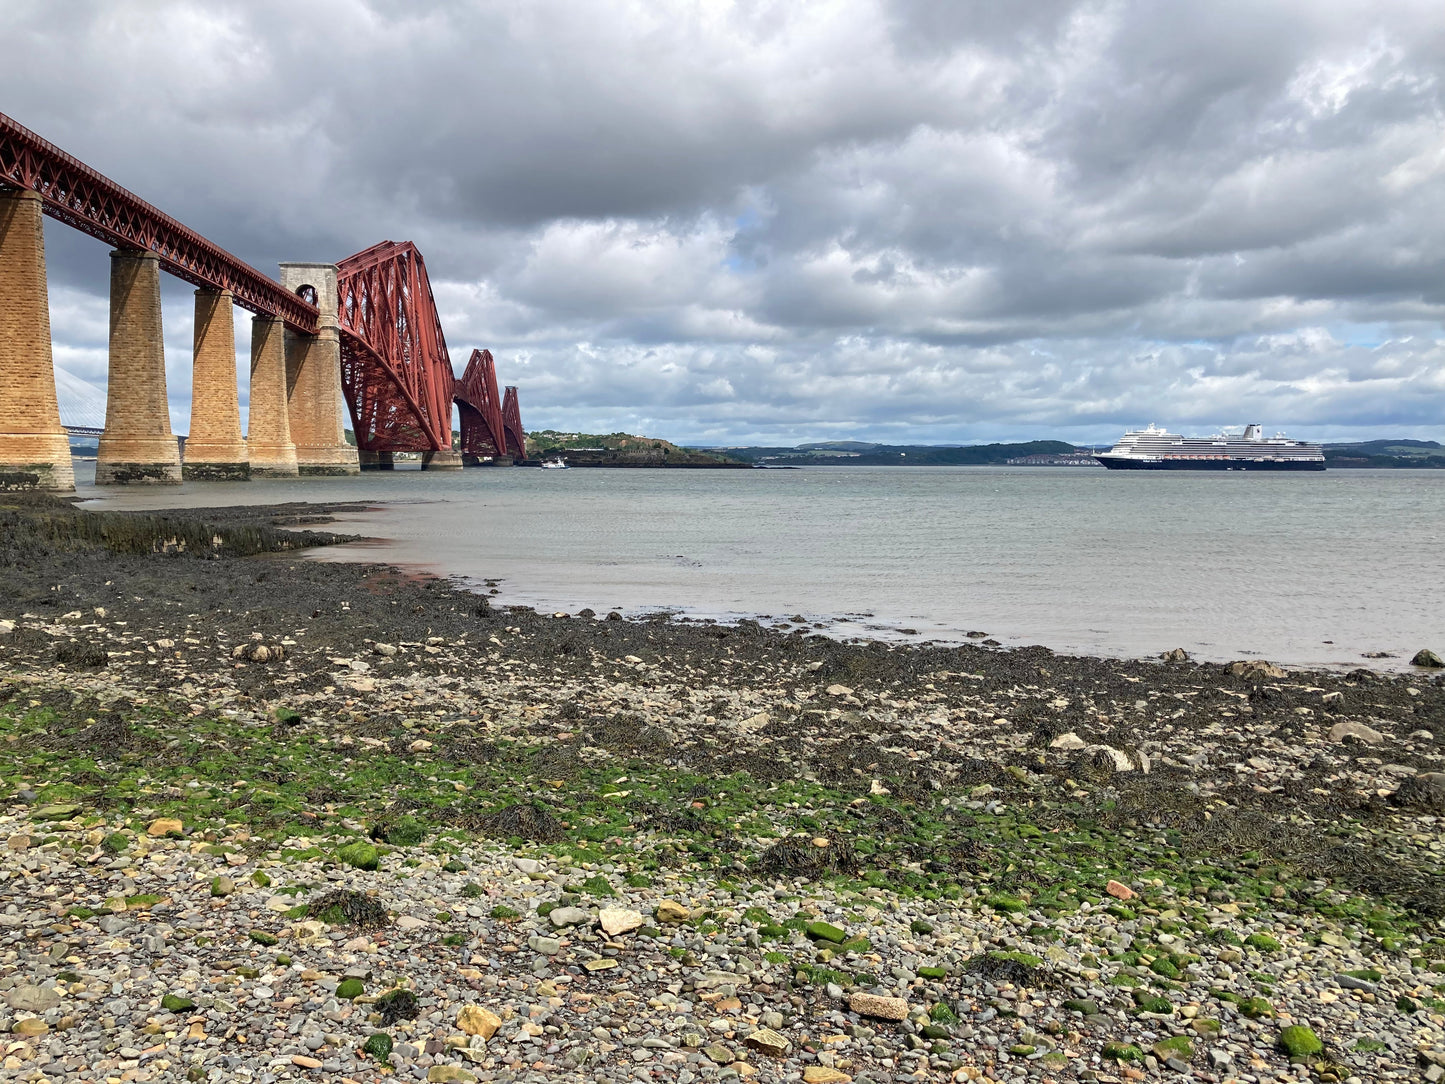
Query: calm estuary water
{"type": "Point", "coordinates": [1304, 569]}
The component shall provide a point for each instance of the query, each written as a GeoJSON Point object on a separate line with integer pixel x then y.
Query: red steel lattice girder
{"type": "Point", "coordinates": [512, 424]}
{"type": "Point", "coordinates": [395, 369]}
{"type": "Point", "coordinates": [81, 197]}
{"type": "Point", "coordinates": [480, 407]}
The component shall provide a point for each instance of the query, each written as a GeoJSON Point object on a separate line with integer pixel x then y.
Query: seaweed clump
{"type": "Point", "coordinates": [80, 653]}
{"type": "Point", "coordinates": [33, 526]}
{"type": "Point", "coordinates": [397, 1005]}
{"type": "Point", "coordinates": [808, 857]}
{"type": "Point", "coordinates": [526, 820]}
{"type": "Point", "coordinates": [108, 736]}
{"type": "Point", "coordinates": [1019, 968]}
{"type": "Point", "coordinates": [399, 831]}
{"type": "Point", "coordinates": [1423, 793]}
{"type": "Point", "coordinates": [346, 906]}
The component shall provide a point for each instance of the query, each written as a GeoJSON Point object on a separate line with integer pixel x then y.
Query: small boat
{"type": "Point", "coordinates": [555, 463]}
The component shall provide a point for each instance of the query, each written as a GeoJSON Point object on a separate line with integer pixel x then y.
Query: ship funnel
{"type": "Point", "coordinates": [1254, 432]}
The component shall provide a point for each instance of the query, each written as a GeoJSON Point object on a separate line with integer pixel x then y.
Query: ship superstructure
{"type": "Point", "coordinates": [1158, 449]}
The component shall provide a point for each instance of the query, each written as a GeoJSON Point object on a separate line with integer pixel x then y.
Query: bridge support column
{"type": "Point", "coordinates": [137, 447]}
{"type": "Point", "coordinates": [34, 450]}
{"type": "Point", "coordinates": [313, 377]}
{"type": "Point", "coordinates": [215, 449]}
{"type": "Point", "coordinates": [269, 438]}
{"type": "Point", "coordinates": [376, 460]}
{"type": "Point", "coordinates": [446, 459]}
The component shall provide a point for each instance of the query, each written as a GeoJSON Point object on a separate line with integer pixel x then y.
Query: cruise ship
{"type": "Point", "coordinates": [1158, 449]}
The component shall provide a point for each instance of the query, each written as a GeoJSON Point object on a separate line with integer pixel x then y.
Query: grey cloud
{"type": "Point", "coordinates": [919, 219]}
{"type": "Point", "coordinates": [942, 26]}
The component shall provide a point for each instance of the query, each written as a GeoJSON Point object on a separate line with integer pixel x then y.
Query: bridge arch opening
{"type": "Point", "coordinates": [307, 293]}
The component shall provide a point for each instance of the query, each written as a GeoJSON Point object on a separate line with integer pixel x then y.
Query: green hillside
{"type": "Point", "coordinates": [1395, 452]}
{"type": "Point", "coordinates": [618, 450]}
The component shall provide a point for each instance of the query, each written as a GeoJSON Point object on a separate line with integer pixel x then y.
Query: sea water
{"type": "Point", "coordinates": [1319, 568]}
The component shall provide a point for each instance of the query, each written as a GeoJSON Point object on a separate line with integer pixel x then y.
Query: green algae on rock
{"type": "Point", "coordinates": [378, 1046]}
{"type": "Point", "coordinates": [1299, 1041]}
{"type": "Point", "coordinates": [360, 855]}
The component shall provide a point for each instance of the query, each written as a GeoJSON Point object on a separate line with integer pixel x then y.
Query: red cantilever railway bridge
{"type": "Point", "coordinates": [396, 374]}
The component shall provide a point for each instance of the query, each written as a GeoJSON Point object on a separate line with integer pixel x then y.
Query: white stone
{"type": "Point", "coordinates": [1122, 763]}
{"type": "Point", "coordinates": [1340, 731]}
{"type": "Point", "coordinates": [1069, 740]}
{"type": "Point", "coordinates": [616, 920]}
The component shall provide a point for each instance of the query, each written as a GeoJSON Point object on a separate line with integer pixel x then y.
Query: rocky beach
{"type": "Point", "coordinates": [264, 818]}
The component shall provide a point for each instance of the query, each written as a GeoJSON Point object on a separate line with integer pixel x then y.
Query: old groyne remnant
{"type": "Point", "coordinates": [363, 332]}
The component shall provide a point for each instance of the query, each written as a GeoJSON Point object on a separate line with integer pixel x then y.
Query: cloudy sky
{"type": "Point", "coordinates": [759, 222]}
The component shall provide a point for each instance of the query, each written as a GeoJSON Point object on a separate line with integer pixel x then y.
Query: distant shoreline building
{"type": "Point", "coordinates": [1079, 457]}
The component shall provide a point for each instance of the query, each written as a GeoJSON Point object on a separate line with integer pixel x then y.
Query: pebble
{"type": "Point", "coordinates": [475, 1020]}
{"type": "Point", "coordinates": [570, 916]}
{"type": "Point", "coordinates": [36, 999]}
{"type": "Point", "coordinates": [769, 1042]}
{"type": "Point", "coordinates": [884, 1008]}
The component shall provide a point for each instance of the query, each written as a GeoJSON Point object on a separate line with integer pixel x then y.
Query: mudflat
{"type": "Point", "coordinates": [270, 818]}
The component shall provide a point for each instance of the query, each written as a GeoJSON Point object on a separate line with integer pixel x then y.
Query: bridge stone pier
{"type": "Point", "coordinates": [313, 377]}
{"type": "Point", "coordinates": [138, 446]}
{"type": "Point", "coordinates": [34, 450]}
{"type": "Point", "coordinates": [215, 449]}
{"type": "Point", "coordinates": [273, 455]}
